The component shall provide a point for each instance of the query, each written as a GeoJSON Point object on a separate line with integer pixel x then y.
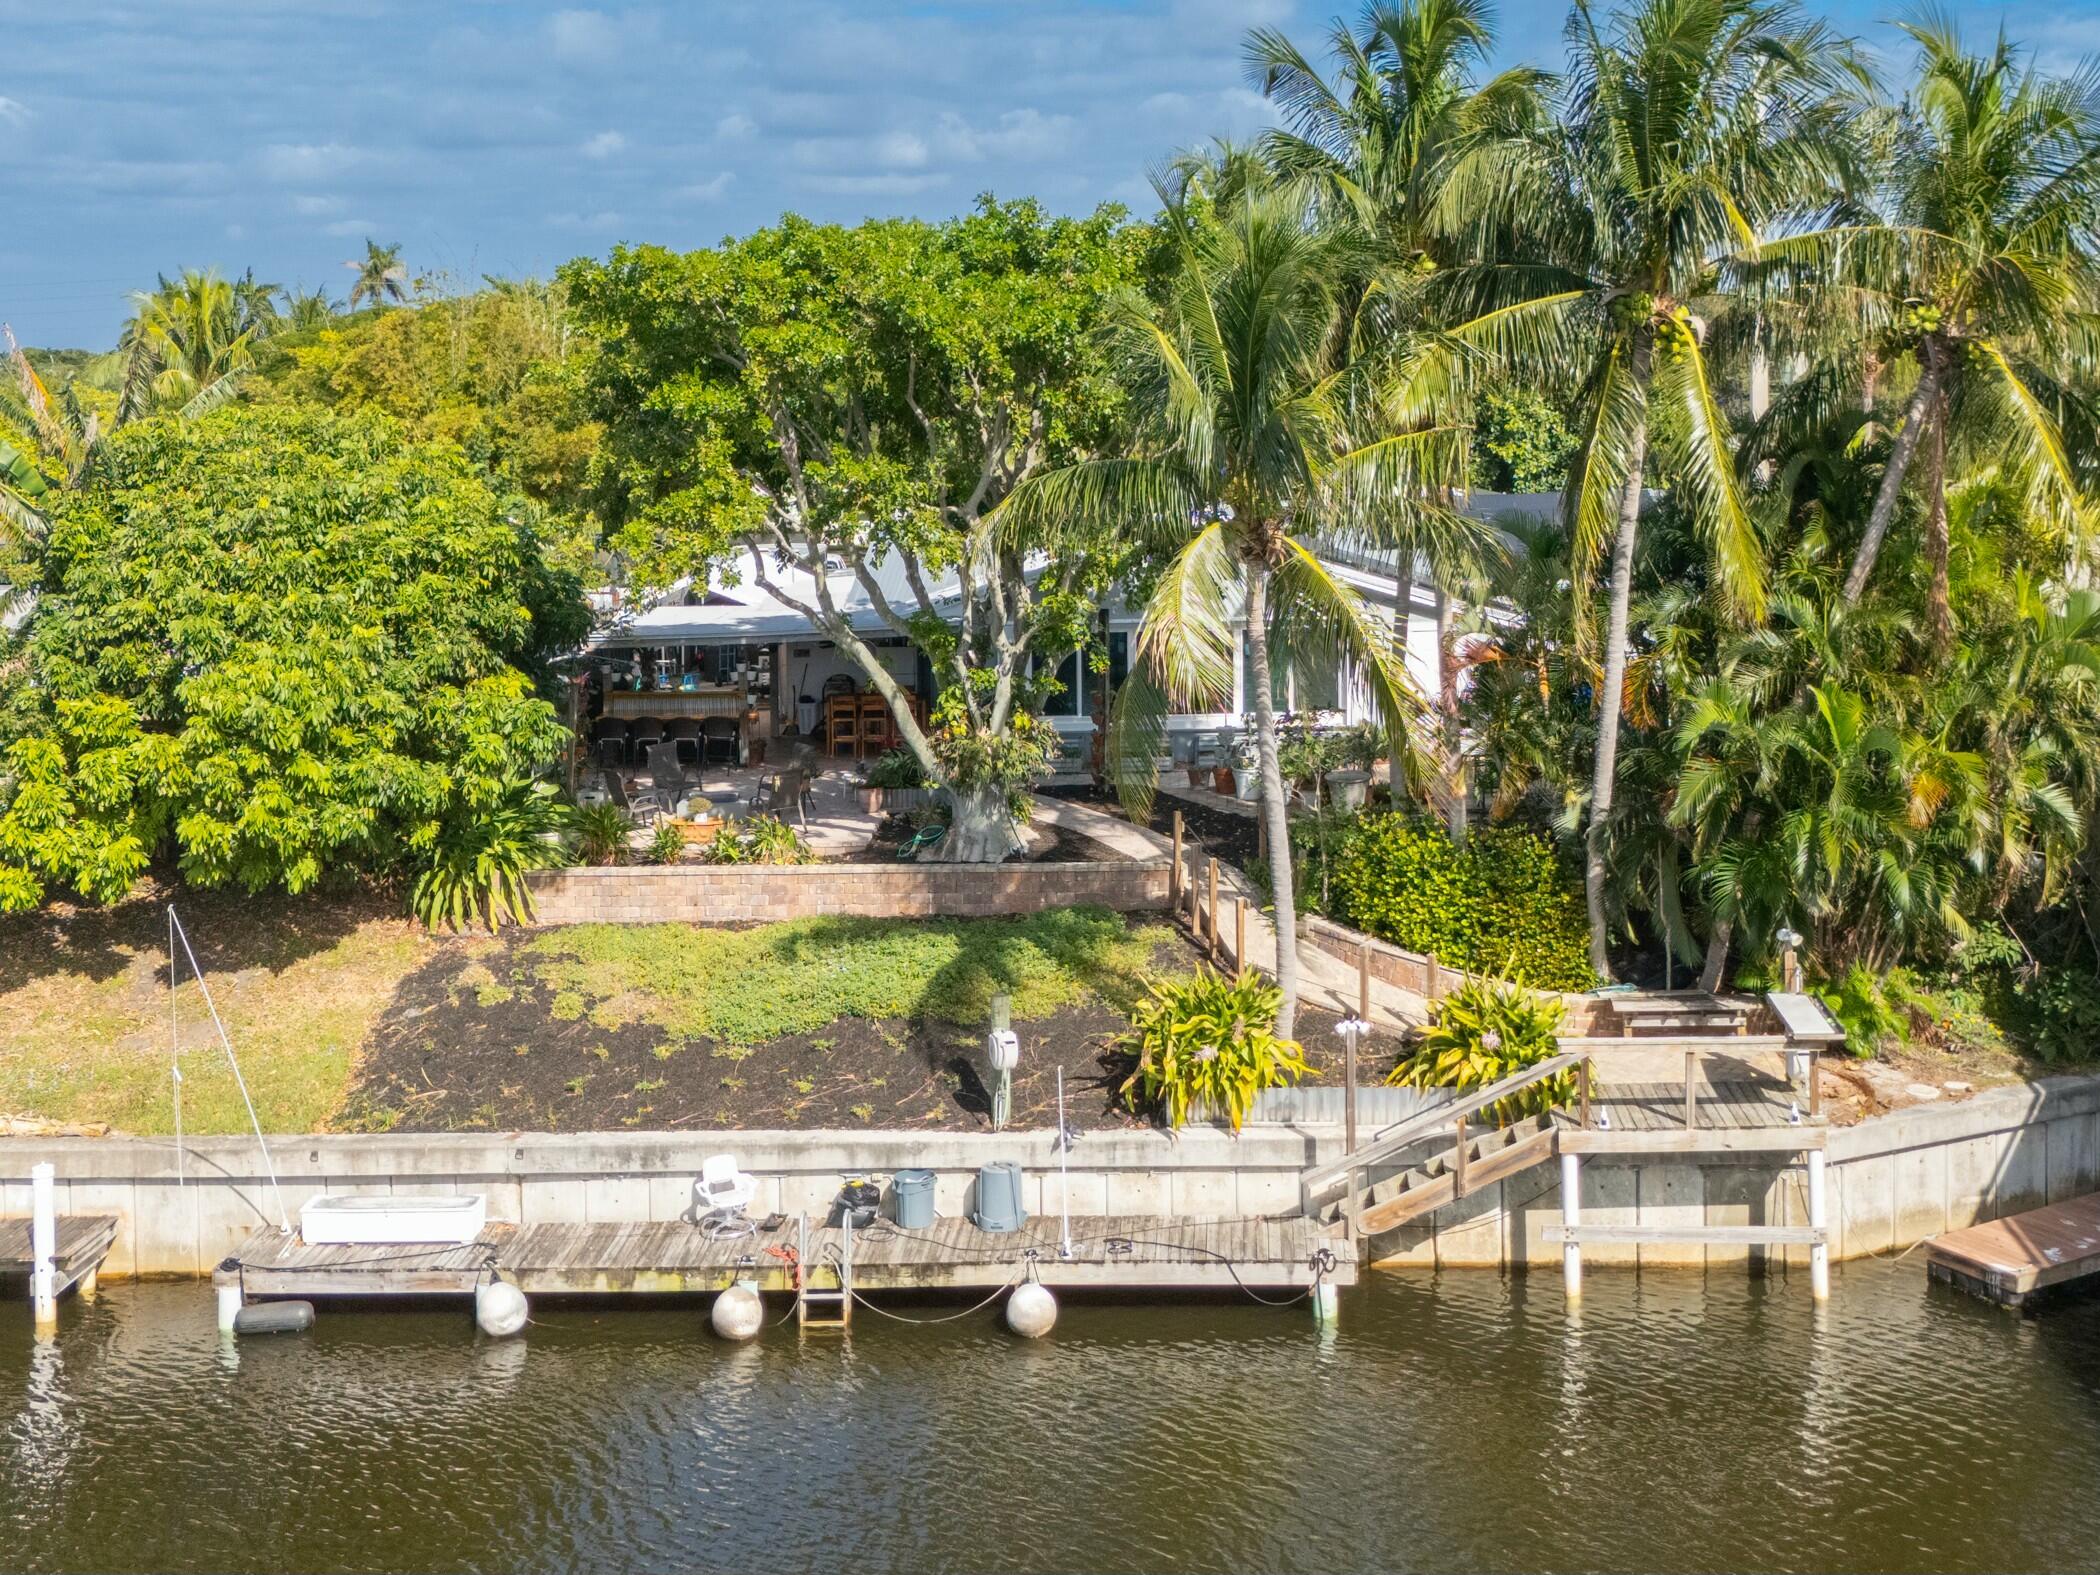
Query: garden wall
{"type": "Point", "coordinates": [736, 894]}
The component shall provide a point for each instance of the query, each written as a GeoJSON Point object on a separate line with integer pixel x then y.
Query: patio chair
{"type": "Point", "coordinates": [718, 740]}
{"type": "Point", "coordinates": [638, 802]}
{"type": "Point", "coordinates": [610, 750]}
{"type": "Point", "coordinates": [684, 732]}
{"type": "Point", "coordinates": [646, 730]}
{"type": "Point", "coordinates": [721, 1196]}
{"type": "Point", "coordinates": [877, 731]}
{"type": "Point", "coordinates": [842, 725]}
{"type": "Point", "coordinates": [784, 790]}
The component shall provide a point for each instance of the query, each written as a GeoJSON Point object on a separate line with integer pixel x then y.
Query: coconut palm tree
{"type": "Point", "coordinates": [1378, 140]}
{"type": "Point", "coordinates": [191, 341]}
{"type": "Point", "coordinates": [305, 310]}
{"type": "Point", "coordinates": [1685, 131]}
{"type": "Point", "coordinates": [1979, 272]}
{"type": "Point", "coordinates": [381, 276]}
{"type": "Point", "coordinates": [1251, 444]}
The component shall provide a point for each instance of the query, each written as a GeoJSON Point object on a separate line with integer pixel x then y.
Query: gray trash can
{"type": "Point", "coordinates": [912, 1198]}
{"type": "Point", "coordinates": [999, 1197]}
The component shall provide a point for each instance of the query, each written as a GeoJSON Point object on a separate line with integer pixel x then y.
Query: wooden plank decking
{"type": "Point", "coordinates": [83, 1242]}
{"type": "Point", "coordinates": [2009, 1260]}
{"type": "Point", "coordinates": [1133, 1252]}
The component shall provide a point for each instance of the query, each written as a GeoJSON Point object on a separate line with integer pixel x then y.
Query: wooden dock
{"type": "Point", "coordinates": [2009, 1260]}
{"type": "Point", "coordinates": [83, 1242]}
{"type": "Point", "coordinates": [1115, 1252]}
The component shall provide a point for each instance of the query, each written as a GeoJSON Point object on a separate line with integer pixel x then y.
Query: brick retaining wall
{"type": "Point", "coordinates": [690, 894]}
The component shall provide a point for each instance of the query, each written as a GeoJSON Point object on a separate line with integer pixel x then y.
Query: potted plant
{"type": "Point", "coordinates": [1245, 768]}
{"type": "Point", "coordinates": [1355, 752]}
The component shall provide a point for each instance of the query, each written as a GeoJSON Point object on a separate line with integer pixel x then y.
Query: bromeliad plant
{"type": "Point", "coordinates": [1208, 1040]}
{"type": "Point", "coordinates": [1487, 1030]}
{"type": "Point", "coordinates": [757, 839]}
{"type": "Point", "coordinates": [477, 870]}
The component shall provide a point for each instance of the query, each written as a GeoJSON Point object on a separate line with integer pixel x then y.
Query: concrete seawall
{"type": "Point", "coordinates": [1894, 1180]}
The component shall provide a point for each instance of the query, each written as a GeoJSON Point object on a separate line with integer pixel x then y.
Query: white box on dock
{"type": "Point", "coordinates": [364, 1220]}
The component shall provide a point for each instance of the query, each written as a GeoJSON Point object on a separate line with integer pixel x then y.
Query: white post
{"type": "Point", "coordinates": [1819, 1219]}
{"type": "Point", "coordinates": [229, 1304]}
{"type": "Point", "coordinates": [1327, 1303]}
{"type": "Point", "coordinates": [1571, 1215]}
{"type": "Point", "coordinates": [43, 1243]}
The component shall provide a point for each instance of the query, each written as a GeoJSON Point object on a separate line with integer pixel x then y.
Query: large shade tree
{"type": "Point", "coordinates": [274, 646]}
{"type": "Point", "coordinates": [1253, 443]}
{"type": "Point", "coordinates": [1686, 130]}
{"type": "Point", "coordinates": [800, 407]}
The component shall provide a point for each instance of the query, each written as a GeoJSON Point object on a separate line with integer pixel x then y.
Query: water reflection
{"type": "Point", "coordinates": [1462, 1421]}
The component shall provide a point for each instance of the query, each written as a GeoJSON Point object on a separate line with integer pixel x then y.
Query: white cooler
{"type": "Point", "coordinates": [452, 1219]}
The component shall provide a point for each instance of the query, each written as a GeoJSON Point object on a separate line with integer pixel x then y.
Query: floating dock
{"type": "Point", "coordinates": [1112, 1252]}
{"type": "Point", "coordinates": [83, 1242]}
{"type": "Point", "coordinates": [2009, 1260]}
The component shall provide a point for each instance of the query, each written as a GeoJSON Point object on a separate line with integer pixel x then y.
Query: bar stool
{"type": "Point", "coordinates": [875, 730]}
{"type": "Point", "coordinates": [842, 725]}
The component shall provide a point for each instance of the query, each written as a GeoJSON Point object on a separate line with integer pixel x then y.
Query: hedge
{"type": "Point", "coordinates": [1499, 904]}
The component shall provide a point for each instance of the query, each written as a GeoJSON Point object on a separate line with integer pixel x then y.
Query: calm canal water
{"type": "Point", "coordinates": [1464, 1422]}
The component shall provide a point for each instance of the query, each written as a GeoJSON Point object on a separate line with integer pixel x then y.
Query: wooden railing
{"type": "Point", "coordinates": [1321, 1179]}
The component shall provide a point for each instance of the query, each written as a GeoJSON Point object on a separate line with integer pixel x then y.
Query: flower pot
{"type": "Point", "coordinates": [1348, 789]}
{"type": "Point", "coordinates": [1197, 774]}
{"type": "Point", "coordinates": [1221, 780]}
{"type": "Point", "coordinates": [1246, 782]}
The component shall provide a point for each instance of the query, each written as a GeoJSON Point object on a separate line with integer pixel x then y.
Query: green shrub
{"type": "Point", "coordinates": [2062, 1007]}
{"type": "Point", "coordinates": [1208, 1039]}
{"type": "Point", "coordinates": [667, 846]}
{"type": "Point", "coordinates": [477, 869]}
{"type": "Point", "coordinates": [1487, 1030]}
{"type": "Point", "coordinates": [757, 839]}
{"type": "Point", "coordinates": [601, 833]}
{"type": "Point", "coordinates": [898, 768]}
{"type": "Point", "coordinates": [1499, 904]}
{"type": "Point", "coordinates": [1864, 1010]}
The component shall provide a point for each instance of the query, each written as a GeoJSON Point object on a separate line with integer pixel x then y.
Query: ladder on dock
{"type": "Point", "coordinates": [825, 1307]}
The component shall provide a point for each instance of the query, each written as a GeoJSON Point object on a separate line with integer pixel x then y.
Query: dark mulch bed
{"type": "Point", "coordinates": [1222, 835]}
{"type": "Point", "coordinates": [1047, 845]}
{"type": "Point", "coordinates": [441, 1061]}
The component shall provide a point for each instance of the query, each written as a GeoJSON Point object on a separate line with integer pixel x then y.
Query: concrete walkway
{"type": "Point", "coordinates": [1324, 981]}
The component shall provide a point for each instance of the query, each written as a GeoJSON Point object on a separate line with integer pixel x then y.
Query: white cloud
{"type": "Point", "coordinates": [604, 220]}
{"type": "Point", "coordinates": [874, 185]}
{"type": "Point", "coordinates": [1020, 134]}
{"type": "Point", "coordinates": [708, 190]}
{"type": "Point", "coordinates": [734, 128]}
{"type": "Point", "coordinates": [315, 207]}
{"type": "Point", "coordinates": [587, 36]}
{"type": "Point", "coordinates": [236, 232]}
{"type": "Point", "coordinates": [349, 227]}
{"type": "Point", "coordinates": [302, 161]}
{"type": "Point", "coordinates": [899, 150]}
{"type": "Point", "coordinates": [603, 145]}
{"type": "Point", "coordinates": [14, 112]}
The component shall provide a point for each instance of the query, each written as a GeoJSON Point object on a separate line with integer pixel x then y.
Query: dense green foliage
{"type": "Point", "coordinates": [1502, 902]}
{"type": "Point", "coordinates": [757, 839]}
{"type": "Point", "coordinates": [478, 865]}
{"type": "Point", "coordinates": [275, 645]}
{"type": "Point", "coordinates": [1521, 442]}
{"type": "Point", "coordinates": [896, 768]}
{"type": "Point", "coordinates": [1208, 1042]}
{"type": "Point", "coordinates": [1484, 1031]}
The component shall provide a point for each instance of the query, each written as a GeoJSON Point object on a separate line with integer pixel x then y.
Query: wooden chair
{"type": "Point", "coordinates": [876, 730]}
{"type": "Point", "coordinates": [842, 725]}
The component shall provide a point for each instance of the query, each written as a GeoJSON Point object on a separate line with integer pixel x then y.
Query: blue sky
{"type": "Point", "coordinates": [504, 137]}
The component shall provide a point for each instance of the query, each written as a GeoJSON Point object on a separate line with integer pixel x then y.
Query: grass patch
{"type": "Point", "coordinates": [298, 981]}
{"type": "Point", "coordinates": [750, 986]}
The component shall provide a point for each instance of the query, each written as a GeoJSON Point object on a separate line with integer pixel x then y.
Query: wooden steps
{"type": "Point", "coordinates": [1481, 1159]}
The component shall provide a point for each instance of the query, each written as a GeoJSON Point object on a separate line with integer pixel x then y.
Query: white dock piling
{"type": "Point", "coordinates": [1327, 1303]}
{"type": "Point", "coordinates": [43, 1244]}
{"type": "Point", "coordinates": [229, 1304]}
{"type": "Point", "coordinates": [1571, 1215]}
{"type": "Point", "coordinates": [1819, 1218]}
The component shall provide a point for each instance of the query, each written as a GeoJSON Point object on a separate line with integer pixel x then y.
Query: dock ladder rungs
{"type": "Point", "coordinates": [829, 1308]}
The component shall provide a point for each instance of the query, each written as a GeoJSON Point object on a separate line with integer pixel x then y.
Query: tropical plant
{"type": "Point", "coordinates": [1487, 1030]}
{"type": "Point", "coordinates": [1211, 1041]}
{"type": "Point", "coordinates": [1250, 444]}
{"type": "Point", "coordinates": [191, 341]}
{"type": "Point", "coordinates": [381, 276]}
{"type": "Point", "coordinates": [481, 856]}
{"type": "Point", "coordinates": [603, 833]}
{"type": "Point", "coordinates": [667, 846]}
{"type": "Point", "coordinates": [1977, 273]}
{"type": "Point", "coordinates": [896, 768]}
{"type": "Point", "coordinates": [1685, 130]}
{"type": "Point", "coordinates": [757, 839]}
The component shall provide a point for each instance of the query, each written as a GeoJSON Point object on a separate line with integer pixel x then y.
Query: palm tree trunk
{"type": "Point", "coordinates": [1447, 707]}
{"type": "Point", "coordinates": [1716, 955]}
{"type": "Point", "coordinates": [1274, 811]}
{"type": "Point", "coordinates": [1594, 873]}
{"type": "Point", "coordinates": [1939, 602]}
{"type": "Point", "coordinates": [1884, 513]}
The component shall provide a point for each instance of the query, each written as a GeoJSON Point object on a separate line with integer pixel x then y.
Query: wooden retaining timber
{"type": "Point", "coordinates": [2009, 1260]}
{"type": "Point", "coordinates": [83, 1242]}
{"type": "Point", "coordinates": [1126, 1252]}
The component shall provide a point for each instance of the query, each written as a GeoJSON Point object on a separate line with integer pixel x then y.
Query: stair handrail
{"type": "Point", "coordinates": [1404, 1134]}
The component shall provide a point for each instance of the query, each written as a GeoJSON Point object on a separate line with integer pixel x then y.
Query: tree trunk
{"type": "Point", "coordinates": [1884, 513]}
{"type": "Point", "coordinates": [1274, 810]}
{"type": "Point", "coordinates": [1608, 702]}
{"type": "Point", "coordinates": [981, 830]}
{"type": "Point", "coordinates": [1716, 955]}
{"type": "Point", "coordinates": [1939, 602]}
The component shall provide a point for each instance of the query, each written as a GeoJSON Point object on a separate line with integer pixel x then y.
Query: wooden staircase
{"type": "Point", "coordinates": [1484, 1155]}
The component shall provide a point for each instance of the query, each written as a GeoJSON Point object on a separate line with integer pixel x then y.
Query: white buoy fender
{"type": "Point", "coordinates": [499, 1309]}
{"type": "Point", "coordinates": [738, 1313]}
{"type": "Point", "coordinates": [1031, 1310]}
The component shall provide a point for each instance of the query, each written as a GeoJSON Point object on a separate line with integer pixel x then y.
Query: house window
{"type": "Point", "coordinates": [1072, 701]}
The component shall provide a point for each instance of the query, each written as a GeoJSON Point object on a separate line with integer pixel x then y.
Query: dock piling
{"type": "Point", "coordinates": [43, 1244]}
{"type": "Point", "coordinates": [1571, 1215]}
{"type": "Point", "coordinates": [1818, 1219]}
